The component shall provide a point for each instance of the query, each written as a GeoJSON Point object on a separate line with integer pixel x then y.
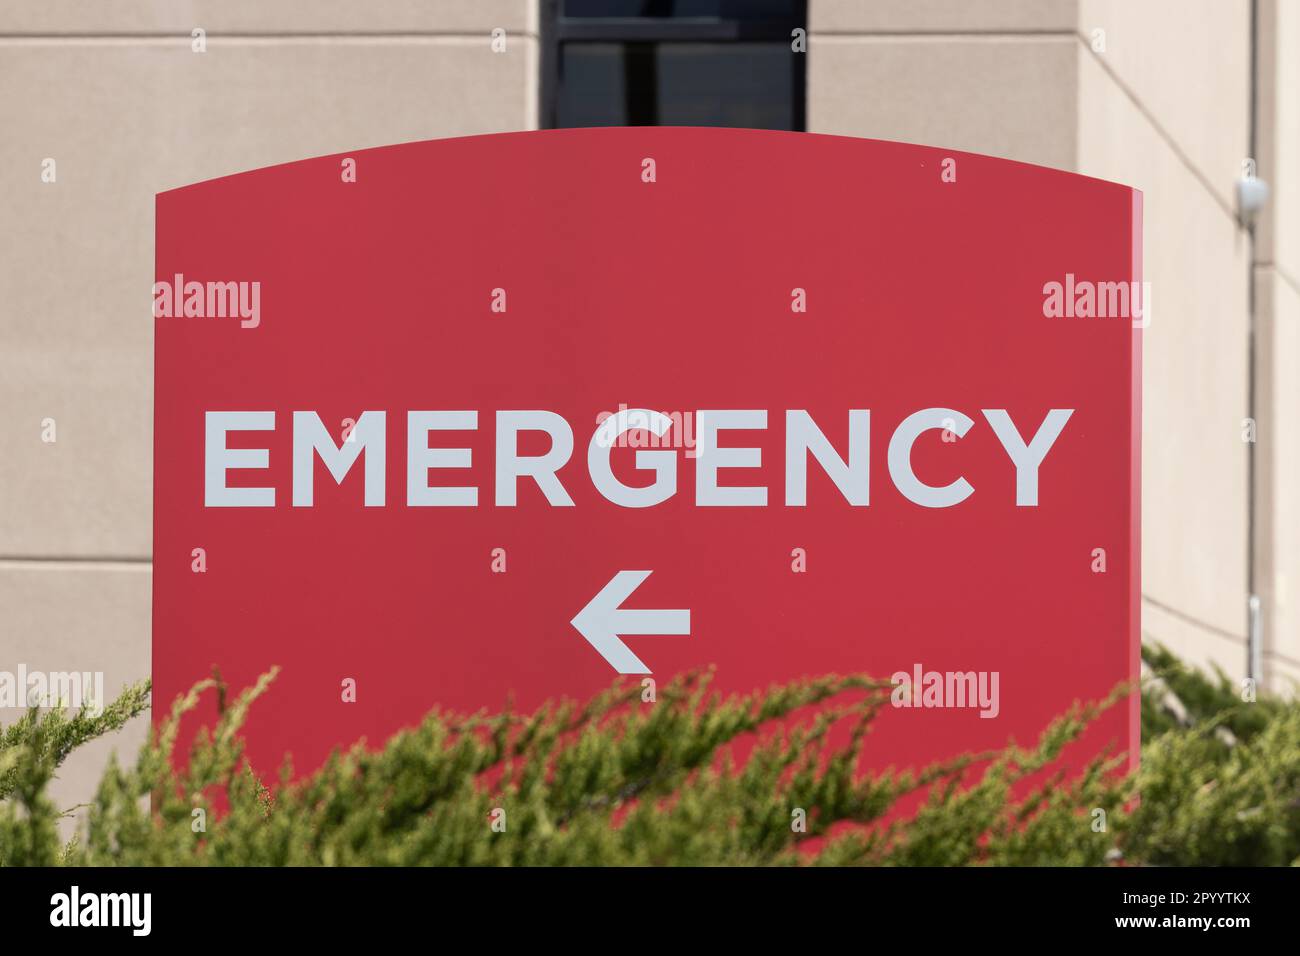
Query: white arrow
{"type": "Point", "coordinates": [602, 621]}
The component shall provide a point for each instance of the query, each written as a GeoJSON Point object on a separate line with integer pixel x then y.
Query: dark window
{"type": "Point", "coordinates": [672, 63]}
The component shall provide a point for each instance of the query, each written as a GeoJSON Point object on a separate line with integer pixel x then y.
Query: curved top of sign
{"type": "Point", "coordinates": [893, 149]}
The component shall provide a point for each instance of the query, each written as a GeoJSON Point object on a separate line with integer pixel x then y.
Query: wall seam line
{"type": "Point", "coordinates": [1278, 655]}
{"type": "Point", "coordinates": [942, 34]}
{"type": "Point", "coordinates": [1161, 131]}
{"type": "Point", "coordinates": [30, 562]}
{"type": "Point", "coordinates": [183, 39]}
{"type": "Point", "coordinates": [1286, 276]}
{"type": "Point", "coordinates": [1190, 619]}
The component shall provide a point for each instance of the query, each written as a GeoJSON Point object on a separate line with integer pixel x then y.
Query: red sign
{"type": "Point", "coordinates": [450, 422]}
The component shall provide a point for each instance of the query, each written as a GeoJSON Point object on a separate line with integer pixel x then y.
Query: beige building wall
{"type": "Point", "coordinates": [113, 93]}
{"type": "Point", "coordinates": [1165, 107]}
{"type": "Point", "coordinates": [1277, 288]}
{"type": "Point", "coordinates": [1154, 93]}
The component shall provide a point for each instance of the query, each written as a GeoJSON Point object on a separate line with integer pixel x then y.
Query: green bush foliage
{"type": "Point", "coordinates": [691, 779]}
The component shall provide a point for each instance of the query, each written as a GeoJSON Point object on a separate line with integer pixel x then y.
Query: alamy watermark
{"type": "Point", "coordinates": [132, 911]}
{"type": "Point", "coordinates": [947, 689]}
{"type": "Point", "coordinates": [208, 300]}
{"type": "Point", "coordinates": [637, 428]}
{"type": "Point", "coordinates": [1082, 299]}
{"type": "Point", "coordinates": [78, 689]}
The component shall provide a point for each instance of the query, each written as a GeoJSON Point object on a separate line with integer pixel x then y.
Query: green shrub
{"type": "Point", "coordinates": [616, 781]}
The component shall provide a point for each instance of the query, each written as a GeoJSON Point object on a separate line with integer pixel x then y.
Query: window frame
{"type": "Point", "coordinates": [557, 30]}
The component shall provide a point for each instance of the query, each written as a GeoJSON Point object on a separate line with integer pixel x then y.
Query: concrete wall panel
{"type": "Point", "coordinates": [1003, 96]}
{"type": "Point", "coordinates": [124, 119]}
